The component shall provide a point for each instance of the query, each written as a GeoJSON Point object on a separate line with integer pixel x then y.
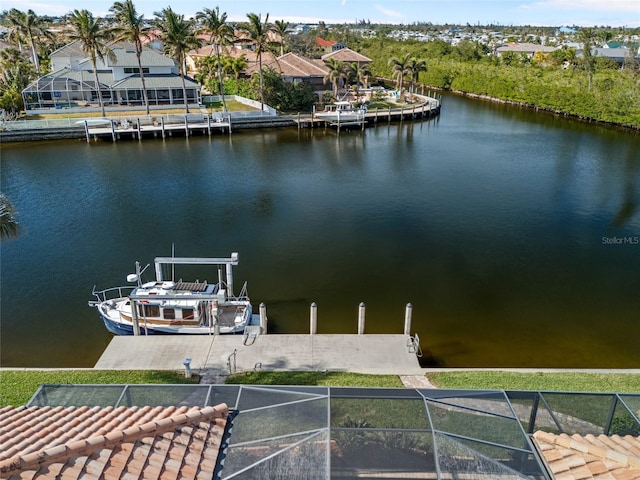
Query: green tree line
{"type": "Point", "coordinates": [589, 88]}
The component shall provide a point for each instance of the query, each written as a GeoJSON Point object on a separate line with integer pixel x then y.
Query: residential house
{"type": "Point", "coordinates": [72, 80]}
{"type": "Point", "coordinates": [346, 55]}
{"type": "Point", "coordinates": [619, 55]}
{"type": "Point", "coordinates": [295, 68]}
{"type": "Point", "coordinates": [316, 433]}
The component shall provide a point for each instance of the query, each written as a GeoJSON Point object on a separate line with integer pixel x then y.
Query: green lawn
{"type": "Point", "coordinates": [18, 386]}
{"type": "Point", "coordinates": [568, 382]}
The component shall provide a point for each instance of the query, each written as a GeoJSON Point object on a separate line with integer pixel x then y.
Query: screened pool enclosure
{"type": "Point", "coordinates": [331, 433]}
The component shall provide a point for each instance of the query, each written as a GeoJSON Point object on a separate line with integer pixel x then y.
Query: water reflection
{"type": "Point", "coordinates": [488, 219]}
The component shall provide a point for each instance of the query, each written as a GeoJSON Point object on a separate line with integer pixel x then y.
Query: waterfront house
{"type": "Point", "coordinates": [318, 433]}
{"type": "Point", "coordinates": [71, 82]}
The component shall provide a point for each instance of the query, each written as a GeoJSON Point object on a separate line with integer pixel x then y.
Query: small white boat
{"type": "Point", "coordinates": [342, 112]}
{"type": "Point", "coordinates": [176, 307]}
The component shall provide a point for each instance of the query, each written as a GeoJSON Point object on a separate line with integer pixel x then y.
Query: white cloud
{"type": "Point", "coordinates": [343, 2]}
{"type": "Point", "coordinates": [388, 12]}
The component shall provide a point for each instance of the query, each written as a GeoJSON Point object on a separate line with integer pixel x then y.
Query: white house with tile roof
{"type": "Point", "coordinates": [72, 80]}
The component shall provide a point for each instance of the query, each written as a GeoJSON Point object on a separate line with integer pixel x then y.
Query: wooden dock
{"type": "Point", "coordinates": [137, 128]}
{"type": "Point", "coordinates": [426, 109]}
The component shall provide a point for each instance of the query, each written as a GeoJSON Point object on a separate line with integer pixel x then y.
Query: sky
{"type": "Point", "coordinates": [583, 13]}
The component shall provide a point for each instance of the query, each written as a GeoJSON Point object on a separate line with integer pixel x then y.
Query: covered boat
{"type": "Point", "coordinates": [177, 307]}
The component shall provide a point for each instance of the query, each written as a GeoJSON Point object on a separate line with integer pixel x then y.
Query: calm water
{"type": "Point", "coordinates": [489, 220]}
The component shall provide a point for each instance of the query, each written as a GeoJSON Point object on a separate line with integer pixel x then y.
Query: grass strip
{"type": "Point", "coordinates": [18, 386]}
{"type": "Point", "coordinates": [327, 379]}
{"type": "Point", "coordinates": [541, 381]}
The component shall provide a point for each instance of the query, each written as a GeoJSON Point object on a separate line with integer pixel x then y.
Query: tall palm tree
{"type": "Point", "coordinates": [399, 70]}
{"type": "Point", "coordinates": [94, 38]}
{"type": "Point", "coordinates": [280, 28]}
{"type": "Point", "coordinates": [336, 72]}
{"type": "Point", "coordinates": [29, 27]}
{"type": "Point", "coordinates": [258, 32]}
{"type": "Point", "coordinates": [8, 224]}
{"type": "Point", "coordinates": [131, 27]}
{"type": "Point", "coordinates": [178, 36]}
{"type": "Point", "coordinates": [413, 68]}
{"type": "Point", "coordinates": [220, 34]}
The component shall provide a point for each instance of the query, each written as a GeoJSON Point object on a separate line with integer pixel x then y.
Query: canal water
{"type": "Point", "coordinates": [515, 235]}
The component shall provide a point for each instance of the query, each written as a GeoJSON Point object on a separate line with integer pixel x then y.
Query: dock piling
{"type": "Point", "coordinates": [361, 319]}
{"type": "Point", "coordinates": [263, 319]}
{"type": "Point", "coordinates": [407, 319]}
{"type": "Point", "coordinates": [313, 320]}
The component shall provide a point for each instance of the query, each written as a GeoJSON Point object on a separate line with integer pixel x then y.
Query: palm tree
{"type": "Point", "coordinates": [258, 32]}
{"type": "Point", "coordinates": [413, 68]}
{"type": "Point", "coordinates": [220, 33]}
{"type": "Point", "coordinates": [93, 38]}
{"type": "Point", "coordinates": [280, 28]}
{"type": "Point", "coordinates": [130, 27]}
{"type": "Point", "coordinates": [8, 225]}
{"type": "Point", "coordinates": [358, 74]}
{"type": "Point", "coordinates": [27, 26]}
{"type": "Point", "coordinates": [335, 73]}
{"type": "Point", "coordinates": [237, 65]}
{"type": "Point", "coordinates": [178, 36]}
{"type": "Point", "coordinates": [399, 70]}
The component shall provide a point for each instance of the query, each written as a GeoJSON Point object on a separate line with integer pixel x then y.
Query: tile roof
{"type": "Point", "coordinates": [110, 443]}
{"type": "Point", "coordinates": [346, 55]}
{"type": "Point", "coordinates": [589, 457]}
{"type": "Point", "coordinates": [293, 65]}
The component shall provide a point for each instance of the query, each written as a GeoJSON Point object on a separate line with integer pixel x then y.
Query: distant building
{"type": "Point", "coordinates": [529, 49]}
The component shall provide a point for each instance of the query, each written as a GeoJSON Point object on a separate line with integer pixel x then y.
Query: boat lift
{"type": "Point", "coordinates": [228, 262]}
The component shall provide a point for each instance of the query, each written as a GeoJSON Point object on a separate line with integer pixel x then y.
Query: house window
{"type": "Point", "coordinates": [135, 70]}
{"type": "Point", "coordinates": [177, 93]}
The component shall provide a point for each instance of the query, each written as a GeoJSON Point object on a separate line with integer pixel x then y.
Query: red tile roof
{"type": "Point", "coordinates": [590, 457]}
{"type": "Point", "coordinates": [321, 42]}
{"type": "Point", "coordinates": [110, 443]}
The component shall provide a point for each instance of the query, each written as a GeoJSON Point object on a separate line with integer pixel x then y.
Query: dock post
{"type": "Point", "coordinates": [209, 124]}
{"type": "Point", "coordinates": [263, 319]}
{"type": "Point", "coordinates": [86, 131]}
{"type": "Point", "coordinates": [113, 132]}
{"type": "Point", "coordinates": [313, 321]}
{"type": "Point", "coordinates": [162, 125]}
{"type": "Point", "coordinates": [186, 126]}
{"type": "Point", "coordinates": [298, 121]}
{"type": "Point", "coordinates": [407, 319]}
{"type": "Point", "coordinates": [361, 319]}
{"type": "Point", "coordinates": [139, 129]}
{"type": "Point", "coordinates": [389, 117]}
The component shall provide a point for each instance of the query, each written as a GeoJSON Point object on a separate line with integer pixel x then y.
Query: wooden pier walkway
{"type": "Point", "coordinates": [137, 129]}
